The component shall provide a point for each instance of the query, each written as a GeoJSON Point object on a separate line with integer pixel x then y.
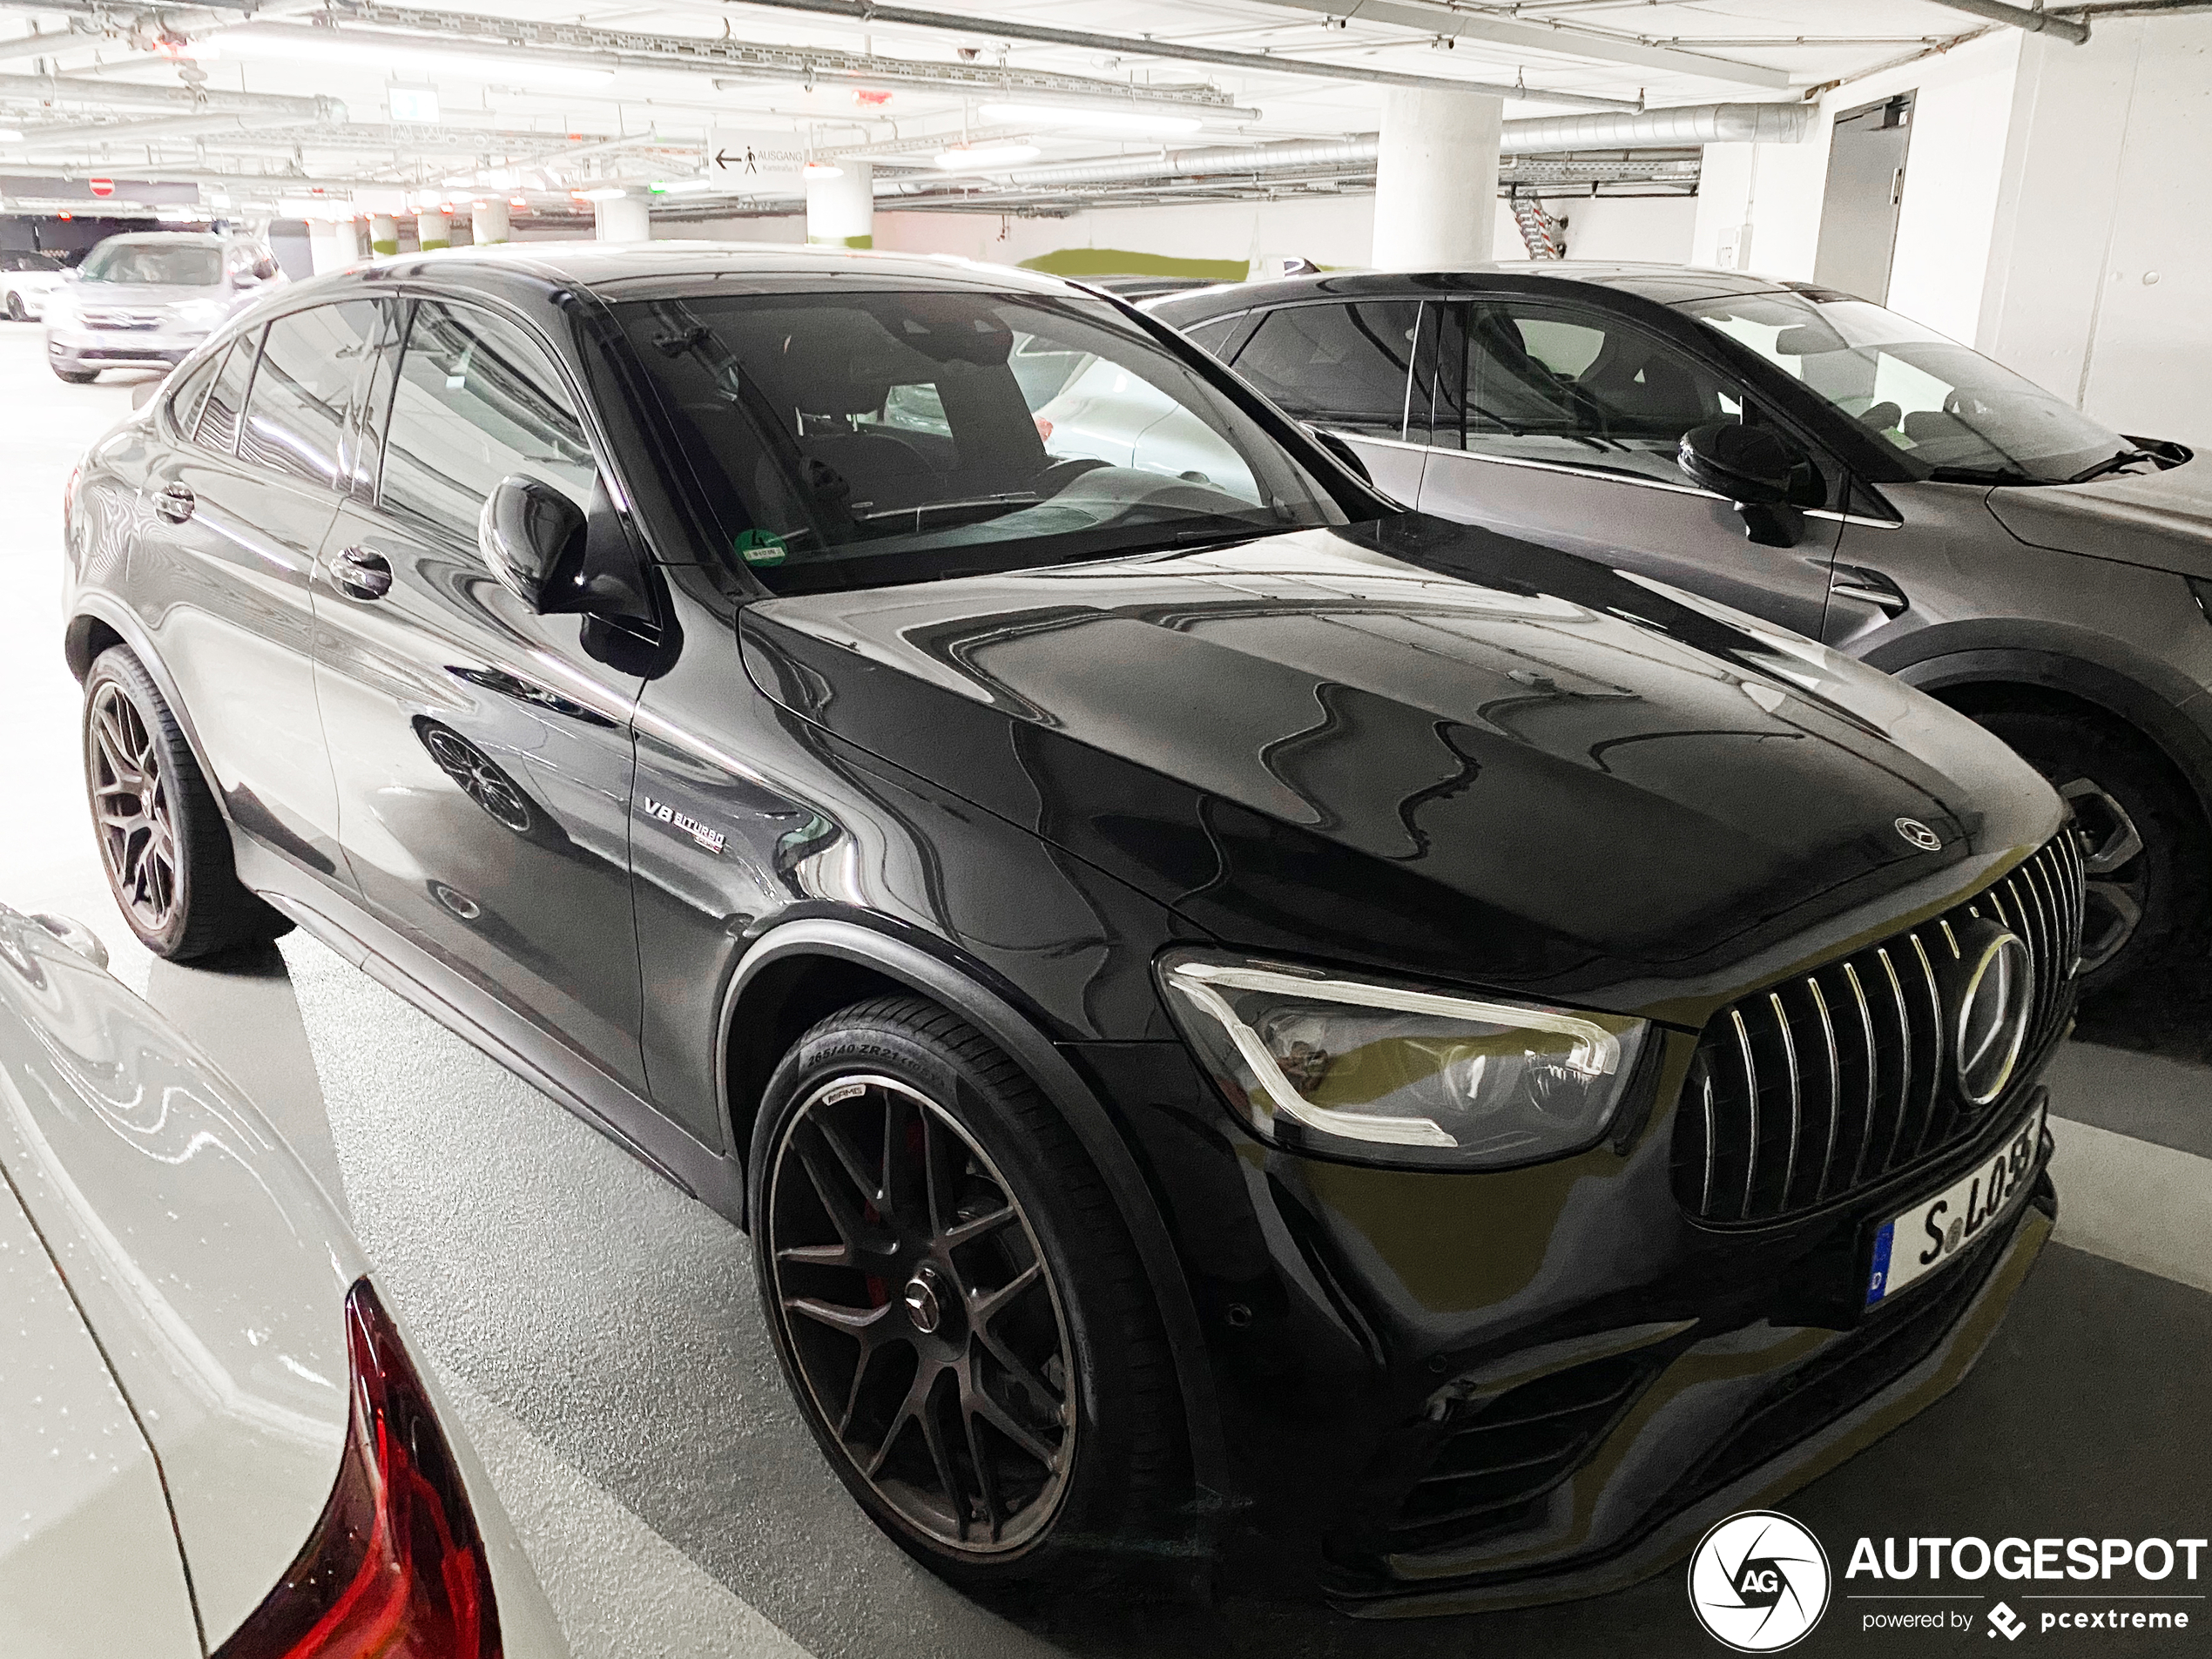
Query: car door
{"type": "Point", "coordinates": [1561, 423]}
{"type": "Point", "coordinates": [483, 753]}
{"type": "Point", "coordinates": [1345, 366]}
{"type": "Point", "coordinates": [223, 568]}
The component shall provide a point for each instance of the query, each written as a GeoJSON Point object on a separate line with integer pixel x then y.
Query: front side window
{"type": "Point", "coordinates": [221, 417]}
{"type": "Point", "coordinates": [855, 440]}
{"type": "Point", "coordinates": [168, 264]}
{"type": "Point", "coordinates": [311, 365]}
{"type": "Point", "coordinates": [191, 391]}
{"type": "Point", "coordinates": [476, 400]}
{"type": "Point", "coordinates": [1574, 387]}
{"type": "Point", "coordinates": [1942, 405]}
{"type": "Point", "coordinates": [1343, 367]}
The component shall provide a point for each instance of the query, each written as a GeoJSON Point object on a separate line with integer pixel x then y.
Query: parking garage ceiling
{"type": "Point", "coordinates": [1017, 106]}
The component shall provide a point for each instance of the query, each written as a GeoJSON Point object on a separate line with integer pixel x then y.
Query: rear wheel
{"type": "Point", "coordinates": [957, 1303]}
{"type": "Point", "coordinates": [163, 844]}
{"type": "Point", "coordinates": [2143, 843]}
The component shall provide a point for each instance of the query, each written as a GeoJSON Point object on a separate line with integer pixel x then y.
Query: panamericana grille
{"type": "Point", "coordinates": [1827, 1084]}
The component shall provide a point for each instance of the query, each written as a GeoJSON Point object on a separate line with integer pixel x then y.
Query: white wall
{"type": "Point", "coordinates": [1953, 177]}
{"type": "Point", "coordinates": [1658, 229]}
{"type": "Point", "coordinates": [2100, 266]}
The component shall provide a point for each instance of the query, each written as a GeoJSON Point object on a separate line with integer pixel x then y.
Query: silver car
{"type": "Point", "coordinates": [212, 1436]}
{"type": "Point", "coordinates": [147, 299]}
{"type": "Point", "coordinates": [26, 279]}
{"type": "Point", "coordinates": [1823, 464]}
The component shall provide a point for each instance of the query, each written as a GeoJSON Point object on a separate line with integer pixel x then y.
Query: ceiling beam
{"type": "Point", "coordinates": [1172, 51]}
{"type": "Point", "coordinates": [1449, 22]}
{"type": "Point", "coordinates": [124, 95]}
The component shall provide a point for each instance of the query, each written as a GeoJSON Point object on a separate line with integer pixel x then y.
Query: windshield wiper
{"type": "Point", "coordinates": [2111, 463]}
{"type": "Point", "coordinates": [1983, 476]}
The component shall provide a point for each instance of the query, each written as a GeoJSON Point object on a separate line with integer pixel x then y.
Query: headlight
{"type": "Point", "coordinates": [197, 314]}
{"type": "Point", "coordinates": [1415, 1079]}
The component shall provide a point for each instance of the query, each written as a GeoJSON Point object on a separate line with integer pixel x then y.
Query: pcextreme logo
{"type": "Point", "coordinates": [1758, 1581]}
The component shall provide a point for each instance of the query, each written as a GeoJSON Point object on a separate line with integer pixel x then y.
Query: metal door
{"type": "Point", "coordinates": [1865, 191]}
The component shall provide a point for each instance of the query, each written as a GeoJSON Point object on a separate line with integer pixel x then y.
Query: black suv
{"type": "Point", "coordinates": [1228, 1009]}
{"type": "Point", "coordinates": [1906, 499]}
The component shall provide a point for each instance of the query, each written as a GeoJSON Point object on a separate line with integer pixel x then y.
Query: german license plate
{"type": "Point", "coordinates": [1917, 1242]}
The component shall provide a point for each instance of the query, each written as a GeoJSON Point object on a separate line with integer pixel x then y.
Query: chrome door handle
{"type": "Point", "coordinates": [1868, 587]}
{"type": "Point", "coordinates": [361, 572]}
{"type": "Point", "coordinates": [175, 502]}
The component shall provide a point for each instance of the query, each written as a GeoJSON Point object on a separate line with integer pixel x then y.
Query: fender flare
{"type": "Point", "coordinates": [946, 983]}
{"type": "Point", "coordinates": [2171, 724]}
{"type": "Point", "coordinates": [119, 619]}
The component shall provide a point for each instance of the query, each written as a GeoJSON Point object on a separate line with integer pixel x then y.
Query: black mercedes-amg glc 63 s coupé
{"type": "Point", "coordinates": [1230, 1011]}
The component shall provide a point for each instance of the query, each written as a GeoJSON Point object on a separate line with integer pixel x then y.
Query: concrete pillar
{"type": "Point", "coordinates": [1436, 180]}
{"type": "Point", "coordinates": [326, 249]}
{"type": "Point", "coordinates": [433, 231]}
{"type": "Point", "coordinates": [383, 235]}
{"type": "Point", "coordinates": [623, 219]}
{"type": "Point", "coordinates": [487, 222]}
{"type": "Point", "coordinates": [840, 212]}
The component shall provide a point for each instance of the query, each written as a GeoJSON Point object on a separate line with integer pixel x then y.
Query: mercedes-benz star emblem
{"type": "Point", "coordinates": [1992, 1012]}
{"type": "Point", "coordinates": [1758, 1581]}
{"type": "Point", "coordinates": [921, 1299]}
{"type": "Point", "coordinates": [1918, 835]}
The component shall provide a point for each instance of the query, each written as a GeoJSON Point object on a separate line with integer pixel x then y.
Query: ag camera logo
{"type": "Point", "coordinates": [1758, 1581]}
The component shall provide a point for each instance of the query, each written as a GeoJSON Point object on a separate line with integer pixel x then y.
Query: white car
{"type": "Point", "coordinates": [213, 1439]}
{"type": "Point", "coordinates": [26, 280]}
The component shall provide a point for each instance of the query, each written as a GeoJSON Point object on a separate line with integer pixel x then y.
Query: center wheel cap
{"type": "Point", "coordinates": [920, 1298]}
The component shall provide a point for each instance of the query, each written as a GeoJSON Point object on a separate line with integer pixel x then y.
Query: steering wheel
{"type": "Point", "coordinates": [1059, 475]}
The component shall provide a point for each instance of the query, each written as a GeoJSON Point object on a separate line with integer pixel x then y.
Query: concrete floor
{"type": "Point", "coordinates": [598, 1331]}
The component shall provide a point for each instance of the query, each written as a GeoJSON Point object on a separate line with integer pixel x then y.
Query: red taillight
{"type": "Point", "coordinates": [396, 1567]}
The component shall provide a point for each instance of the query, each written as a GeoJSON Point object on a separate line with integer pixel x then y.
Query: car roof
{"type": "Point", "coordinates": [197, 239]}
{"type": "Point", "coordinates": [644, 270]}
{"type": "Point", "coordinates": [1664, 284]}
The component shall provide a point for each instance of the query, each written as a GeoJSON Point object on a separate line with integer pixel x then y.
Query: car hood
{"type": "Point", "coordinates": [1422, 746]}
{"type": "Point", "coordinates": [144, 295]}
{"type": "Point", "coordinates": [2160, 519]}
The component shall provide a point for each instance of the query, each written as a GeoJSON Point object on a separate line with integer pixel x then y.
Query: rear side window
{"type": "Point", "coordinates": [219, 415]}
{"type": "Point", "coordinates": [1213, 336]}
{"type": "Point", "coordinates": [311, 367]}
{"type": "Point", "coordinates": [476, 399]}
{"type": "Point", "coordinates": [192, 391]}
{"type": "Point", "coordinates": [1342, 366]}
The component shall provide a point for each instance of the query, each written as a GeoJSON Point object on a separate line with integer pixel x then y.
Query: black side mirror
{"type": "Point", "coordinates": [1753, 468]}
{"type": "Point", "coordinates": [531, 536]}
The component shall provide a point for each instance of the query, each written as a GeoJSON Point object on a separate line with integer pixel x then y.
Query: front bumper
{"type": "Point", "coordinates": [74, 346]}
{"type": "Point", "coordinates": [1443, 1392]}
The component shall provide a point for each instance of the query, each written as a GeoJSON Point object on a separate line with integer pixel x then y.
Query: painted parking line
{"type": "Point", "coordinates": [2133, 1202]}
{"type": "Point", "coordinates": [618, 1587]}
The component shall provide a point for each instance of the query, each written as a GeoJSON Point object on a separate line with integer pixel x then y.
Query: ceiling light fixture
{"type": "Point", "coordinates": [604, 193]}
{"type": "Point", "coordinates": [681, 186]}
{"type": "Point", "coordinates": [357, 50]}
{"type": "Point", "coordinates": [1078, 117]}
{"type": "Point", "coordinates": [984, 157]}
{"type": "Point", "coordinates": [11, 135]}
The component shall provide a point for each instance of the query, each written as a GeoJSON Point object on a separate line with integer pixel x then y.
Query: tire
{"type": "Point", "coordinates": [17, 312]}
{"type": "Point", "coordinates": [76, 376]}
{"type": "Point", "coordinates": [164, 847]}
{"type": "Point", "coordinates": [1065, 1390]}
{"type": "Point", "coordinates": [2142, 836]}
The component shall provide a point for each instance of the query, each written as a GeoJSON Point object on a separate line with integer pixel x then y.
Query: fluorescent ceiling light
{"type": "Point", "coordinates": [605, 193]}
{"type": "Point", "coordinates": [388, 52]}
{"type": "Point", "coordinates": [972, 157]}
{"type": "Point", "coordinates": [1156, 122]}
{"type": "Point", "coordinates": [11, 135]}
{"type": "Point", "coordinates": [681, 186]}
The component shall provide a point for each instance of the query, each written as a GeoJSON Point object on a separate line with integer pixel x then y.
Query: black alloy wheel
{"type": "Point", "coordinates": [2142, 842]}
{"type": "Point", "coordinates": [164, 846]}
{"type": "Point", "coordinates": [131, 810]}
{"type": "Point", "coordinates": [957, 1306]}
{"type": "Point", "coordinates": [926, 1323]}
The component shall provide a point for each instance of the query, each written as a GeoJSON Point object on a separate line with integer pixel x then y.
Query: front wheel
{"type": "Point", "coordinates": [957, 1303]}
{"type": "Point", "coordinates": [76, 376]}
{"type": "Point", "coordinates": [16, 310]}
{"type": "Point", "coordinates": [2142, 840]}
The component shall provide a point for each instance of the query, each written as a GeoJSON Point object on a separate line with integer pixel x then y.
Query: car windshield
{"type": "Point", "coordinates": [1947, 408]}
{"type": "Point", "coordinates": [858, 440]}
{"type": "Point", "coordinates": [159, 263]}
